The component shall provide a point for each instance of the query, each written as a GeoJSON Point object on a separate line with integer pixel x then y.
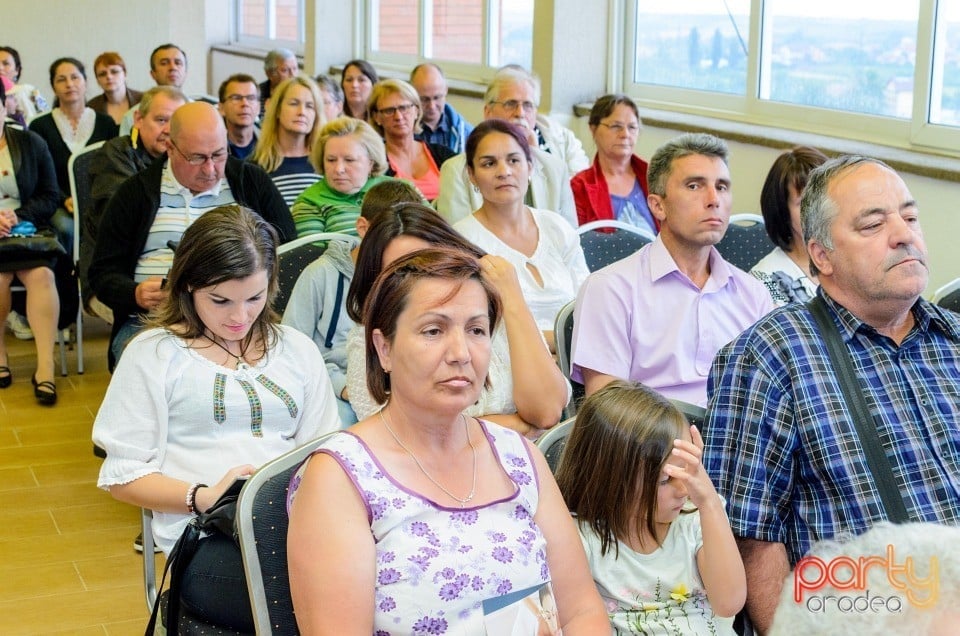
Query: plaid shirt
{"type": "Point", "coordinates": [781, 446]}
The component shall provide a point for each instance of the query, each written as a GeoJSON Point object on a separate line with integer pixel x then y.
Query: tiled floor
{"type": "Point", "coordinates": [67, 564]}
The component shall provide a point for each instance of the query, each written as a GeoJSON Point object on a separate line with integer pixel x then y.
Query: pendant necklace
{"type": "Point", "coordinates": [241, 363]}
{"type": "Point", "coordinates": [473, 488]}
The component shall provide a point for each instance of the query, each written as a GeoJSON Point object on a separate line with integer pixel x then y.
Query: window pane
{"type": "Point", "coordinates": [397, 27]}
{"type": "Point", "coordinates": [288, 20]}
{"type": "Point", "coordinates": [699, 44]}
{"type": "Point", "coordinates": [945, 93]}
{"type": "Point", "coordinates": [516, 34]}
{"type": "Point", "coordinates": [253, 18]}
{"type": "Point", "coordinates": [458, 30]}
{"type": "Point", "coordinates": [826, 53]}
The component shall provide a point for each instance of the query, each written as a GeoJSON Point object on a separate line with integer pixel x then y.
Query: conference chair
{"type": "Point", "coordinates": [294, 257]}
{"type": "Point", "coordinates": [746, 241]}
{"type": "Point", "coordinates": [607, 241]}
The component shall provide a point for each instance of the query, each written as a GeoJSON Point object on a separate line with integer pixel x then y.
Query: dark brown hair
{"type": "Point", "coordinates": [605, 105]}
{"type": "Point", "coordinates": [789, 169]}
{"type": "Point", "coordinates": [490, 126]}
{"type": "Point", "coordinates": [416, 220]}
{"type": "Point", "coordinates": [388, 195]}
{"type": "Point", "coordinates": [388, 298]}
{"type": "Point", "coordinates": [610, 470]}
{"type": "Point", "coordinates": [227, 243]}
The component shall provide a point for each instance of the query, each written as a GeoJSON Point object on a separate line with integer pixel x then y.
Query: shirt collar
{"type": "Point", "coordinates": [170, 185]}
{"type": "Point", "coordinates": [925, 316]}
{"type": "Point", "coordinates": [662, 264]}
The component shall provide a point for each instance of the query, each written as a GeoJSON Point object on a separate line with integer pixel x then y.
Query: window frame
{"type": "Point", "coordinates": [917, 133]}
{"type": "Point", "coordinates": [267, 43]}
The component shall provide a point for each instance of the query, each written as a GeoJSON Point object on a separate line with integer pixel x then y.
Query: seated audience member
{"type": "Point", "coordinates": [660, 315]}
{"type": "Point", "coordinates": [117, 98]}
{"type": "Point", "coordinates": [116, 161]}
{"type": "Point", "coordinates": [332, 96]}
{"type": "Point", "coordinates": [212, 391]}
{"type": "Point", "coordinates": [69, 128]}
{"type": "Point", "coordinates": [526, 391]}
{"type": "Point", "coordinates": [786, 270]}
{"type": "Point", "coordinates": [511, 96]}
{"type": "Point", "coordinates": [357, 82]}
{"type": "Point", "coordinates": [349, 154]}
{"type": "Point", "coordinates": [543, 249]}
{"type": "Point", "coordinates": [780, 436]}
{"type": "Point", "coordinates": [239, 100]}
{"type": "Point", "coordinates": [28, 193]}
{"type": "Point", "coordinates": [867, 591]}
{"type": "Point", "coordinates": [279, 65]}
{"type": "Point", "coordinates": [440, 123]}
{"type": "Point", "coordinates": [394, 112]}
{"type": "Point", "coordinates": [318, 302]}
{"type": "Point", "coordinates": [666, 563]}
{"type": "Point", "coordinates": [8, 109]}
{"type": "Point", "coordinates": [290, 128]}
{"type": "Point", "coordinates": [154, 207]}
{"type": "Point", "coordinates": [615, 186]}
{"type": "Point", "coordinates": [168, 67]}
{"type": "Point", "coordinates": [427, 513]}
{"type": "Point", "coordinates": [27, 99]}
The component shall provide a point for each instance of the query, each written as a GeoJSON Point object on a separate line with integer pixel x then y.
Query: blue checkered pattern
{"type": "Point", "coordinates": [781, 446]}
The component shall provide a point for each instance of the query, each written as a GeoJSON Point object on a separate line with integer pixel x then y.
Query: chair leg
{"type": "Point", "coordinates": [149, 558]}
{"type": "Point", "coordinates": [80, 339]}
{"type": "Point", "coordinates": [63, 353]}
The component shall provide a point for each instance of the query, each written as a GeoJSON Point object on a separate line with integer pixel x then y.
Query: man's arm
{"type": "Point", "coordinates": [767, 567]}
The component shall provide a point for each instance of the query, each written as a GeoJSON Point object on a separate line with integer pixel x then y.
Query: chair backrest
{"type": "Point", "coordinates": [948, 296]}
{"type": "Point", "coordinates": [563, 335]}
{"type": "Point", "coordinates": [262, 529]}
{"type": "Point", "coordinates": [78, 169]}
{"type": "Point", "coordinates": [694, 414]}
{"type": "Point", "coordinates": [607, 241]}
{"type": "Point", "coordinates": [294, 257]}
{"type": "Point", "coordinates": [746, 241]}
{"type": "Point", "coordinates": [552, 443]}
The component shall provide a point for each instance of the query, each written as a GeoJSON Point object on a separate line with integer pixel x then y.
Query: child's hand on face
{"type": "Point", "coordinates": [691, 473]}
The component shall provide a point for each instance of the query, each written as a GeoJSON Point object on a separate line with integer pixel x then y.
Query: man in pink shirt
{"type": "Point", "coordinates": [659, 316]}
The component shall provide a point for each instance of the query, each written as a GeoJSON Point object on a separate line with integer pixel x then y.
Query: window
{"type": "Point", "coordinates": [468, 36]}
{"type": "Point", "coordinates": [269, 23]}
{"type": "Point", "coordinates": [875, 71]}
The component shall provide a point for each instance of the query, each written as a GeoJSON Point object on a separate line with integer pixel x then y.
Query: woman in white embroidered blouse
{"type": "Point", "coordinates": [213, 391]}
{"type": "Point", "coordinates": [541, 246]}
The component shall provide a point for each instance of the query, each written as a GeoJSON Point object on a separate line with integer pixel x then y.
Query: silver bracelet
{"type": "Point", "coordinates": [191, 498]}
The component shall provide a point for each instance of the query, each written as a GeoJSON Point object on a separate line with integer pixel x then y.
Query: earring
{"type": "Point", "coordinates": [476, 188]}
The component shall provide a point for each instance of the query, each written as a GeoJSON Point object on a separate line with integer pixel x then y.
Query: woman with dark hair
{"type": "Point", "coordinates": [29, 101]}
{"type": "Point", "coordinates": [116, 98]}
{"type": "Point", "coordinates": [542, 247]}
{"type": "Point", "coordinates": [71, 125]}
{"type": "Point", "coordinates": [615, 186]}
{"type": "Point", "coordinates": [215, 389]}
{"type": "Point", "coordinates": [786, 270]}
{"type": "Point", "coordinates": [526, 391]}
{"type": "Point", "coordinates": [413, 519]}
{"type": "Point", "coordinates": [28, 192]}
{"type": "Point", "coordinates": [357, 82]}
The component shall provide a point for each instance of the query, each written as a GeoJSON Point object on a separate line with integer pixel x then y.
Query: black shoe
{"type": "Point", "coordinates": [6, 377]}
{"type": "Point", "coordinates": [48, 395]}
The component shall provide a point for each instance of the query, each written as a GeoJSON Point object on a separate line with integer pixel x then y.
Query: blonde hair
{"type": "Point", "coordinates": [365, 136]}
{"type": "Point", "coordinates": [267, 153]}
{"type": "Point", "coordinates": [384, 88]}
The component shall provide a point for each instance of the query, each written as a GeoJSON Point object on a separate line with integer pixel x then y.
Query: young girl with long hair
{"type": "Point", "coordinates": [654, 528]}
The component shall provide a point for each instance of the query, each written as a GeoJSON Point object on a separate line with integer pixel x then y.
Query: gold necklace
{"type": "Point", "coordinates": [473, 488]}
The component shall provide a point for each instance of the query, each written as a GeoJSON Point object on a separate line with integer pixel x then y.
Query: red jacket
{"type": "Point", "coordinates": [590, 192]}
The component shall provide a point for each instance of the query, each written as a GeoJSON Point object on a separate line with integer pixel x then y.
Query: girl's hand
{"type": "Point", "coordinates": [691, 473]}
{"type": "Point", "coordinates": [207, 496]}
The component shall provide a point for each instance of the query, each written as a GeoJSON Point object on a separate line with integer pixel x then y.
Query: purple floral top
{"type": "Point", "coordinates": [435, 565]}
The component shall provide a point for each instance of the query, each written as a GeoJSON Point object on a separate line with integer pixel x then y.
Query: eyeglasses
{"type": "Point", "coordinates": [198, 159]}
{"type": "Point", "coordinates": [512, 104]}
{"type": "Point", "coordinates": [618, 128]}
{"type": "Point", "coordinates": [393, 110]}
{"type": "Point", "coordinates": [429, 99]}
{"type": "Point", "coordinates": [236, 99]}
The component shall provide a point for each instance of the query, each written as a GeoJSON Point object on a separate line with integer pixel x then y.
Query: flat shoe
{"type": "Point", "coordinates": [46, 397]}
{"type": "Point", "coordinates": [6, 377]}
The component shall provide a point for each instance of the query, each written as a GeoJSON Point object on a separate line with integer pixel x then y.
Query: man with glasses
{"type": "Point", "coordinates": [440, 123]}
{"type": "Point", "coordinates": [150, 211]}
{"type": "Point", "coordinates": [239, 100]}
{"type": "Point", "coordinates": [513, 96]}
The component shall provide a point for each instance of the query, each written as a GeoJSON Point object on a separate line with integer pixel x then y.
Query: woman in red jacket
{"type": "Point", "coordinates": [615, 186]}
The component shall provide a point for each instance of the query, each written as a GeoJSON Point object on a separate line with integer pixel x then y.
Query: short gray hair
{"type": "Point", "coordinates": [658, 172]}
{"type": "Point", "coordinates": [170, 92]}
{"type": "Point", "coordinates": [509, 75]}
{"type": "Point", "coordinates": [273, 59]}
{"type": "Point", "coordinates": [820, 611]}
{"type": "Point", "coordinates": [817, 209]}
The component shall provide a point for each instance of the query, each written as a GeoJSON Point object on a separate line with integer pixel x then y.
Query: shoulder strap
{"type": "Point", "coordinates": [877, 460]}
